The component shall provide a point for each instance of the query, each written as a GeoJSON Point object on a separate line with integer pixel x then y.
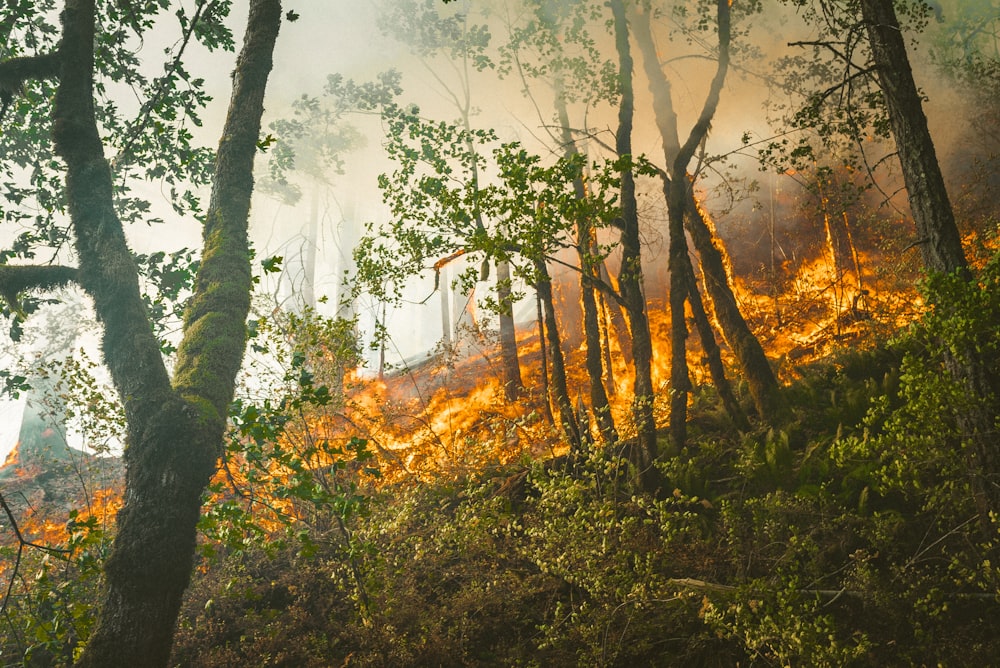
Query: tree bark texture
{"type": "Point", "coordinates": [599, 404]}
{"type": "Point", "coordinates": [940, 245]}
{"type": "Point", "coordinates": [557, 364]}
{"type": "Point", "coordinates": [174, 430]}
{"type": "Point", "coordinates": [939, 241]}
{"type": "Point", "coordinates": [546, 394]}
{"type": "Point", "coordinates": [750, 357]}
{"type": "Point", "coordinates": [512, 383]}
{"type": "Point", "coordinates": [680, 263]}
{"type": "Point", "coordinates": [630, 275]}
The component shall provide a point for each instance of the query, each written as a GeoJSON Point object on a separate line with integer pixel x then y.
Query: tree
{"type": "Point", "coordinates": [644, 452]}
{"type": "Point", "coordinates": [428, 32]}
{"type": "Point", "coordinates": [939, 242]}
{"type": "Point", "coordinates": [311, 144]}
{"type": "Point", "coordinates": [553, 46]}
{"type": "Point", "coordinates": [175, 424]}
{"type": "Point", "coordinates": [864, 87]}
{"type": "Point", "coordinates": [747, 349]}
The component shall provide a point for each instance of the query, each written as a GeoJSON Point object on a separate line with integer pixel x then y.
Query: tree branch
{"type": "Point", "coordinates": [15, 279]}
{"type": "Point", "coordinates": [16, 71]}
{"type": "Point", "coordinates": [21, 277]}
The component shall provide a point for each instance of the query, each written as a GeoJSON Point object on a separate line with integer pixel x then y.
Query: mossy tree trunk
{"type": "Point", "coordinates": [174, 427]}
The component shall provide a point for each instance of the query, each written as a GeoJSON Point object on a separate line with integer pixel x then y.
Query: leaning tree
{"type": "Point", "coordinates": [175, 421]}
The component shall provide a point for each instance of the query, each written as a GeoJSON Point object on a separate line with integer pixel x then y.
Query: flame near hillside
{"type": "Point", "coordinates": [447, 417]}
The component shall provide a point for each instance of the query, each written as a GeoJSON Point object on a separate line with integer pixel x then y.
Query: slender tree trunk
{"type": "Point", "coordinates": [558, 386]}
{"type": "Point", "coordinates": [174, 431]}
{"type": "Point", "coordinates": [616, 317]}
{"type": "Point", "coordinates": [630, 276]}
{"type": "Point", "coordinates": [512, 383]}
{"type": "Point", "coordinates": [546, 394]}
{"type": "Point", "coordinates": [679, 263]}
{"type": "Point", "coordinates": [750, 357]}
{"type": "Point", "coordinates": [713, 356]}
{"type": "Point", "coordinates": [606, 357]}
{"type": "Point", "coordinates": [939, 242]}
{"type": "Point", "coordinates": [599, 403]}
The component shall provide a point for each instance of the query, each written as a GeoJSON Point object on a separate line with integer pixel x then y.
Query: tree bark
{"type": "Point", "coordinates": [512, 383]}
{"type": "Point", "coordinates": [174, 431]}
{"type": "Point", "coordinates": [557, 364]}
{"type": "Point", "coordinates": [680, 269]}
{"type": "Point", "coordinates": [644, 453]}
{"type": "Point", "coordinates": [940, 245]}
{"type": "Point", "coordinates": [750, 357]}
{"type": "Point", "coordinates": [599, 403]}
{"type": "Point", "coordinates": [713, 356]}
{"type": "Point", "coordinates": [546, 394]}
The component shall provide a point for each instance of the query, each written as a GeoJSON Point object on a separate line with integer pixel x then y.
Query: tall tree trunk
{"type": "Point", "coordinates": [614, 314]}
{"type": "Point", "coordinates": [761, 381]}
{"type": "Point", "coordinates": [713, 356]}
{"type": "Point", "coordinates": [558, 386]}
{"type": "Point", "coordinates": [939, 242]}
{"type": "Point", "coordinates": [630, 276]}
{"type": "Point", "coordinates": [512, 384]}
{"type": "Point", "coordinates": [174, 431]}
{"type": "Point", "coordinates": [599, 403]}
{"type": "Point", "coordinates": [750, 357]}
{"type": "Point", "coordinates": [546, 394]}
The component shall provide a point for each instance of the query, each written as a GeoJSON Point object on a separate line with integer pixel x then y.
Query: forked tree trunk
{"type": "Point", "coordinates": [174, 430]}
{"type": "Point", "coordinates": [599, 404]}
{"type": "Point", "coordinates": [615, 316]}
{"type": "Point", "coordinates": [679, 194]}
{"type": "Point", "coordinates": [750, 357]}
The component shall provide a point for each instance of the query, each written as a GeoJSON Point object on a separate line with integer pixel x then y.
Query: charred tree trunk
{"type": "Point", "coordinates": [750, 357]}
{"type": "Point", "coordinates": [512, 383]}
{"type": "Point", "coordinates": [679, 264]}
{"type": "Point", "coordinates": [761, 381]}
{"type": "Point", "coordinates": [644, 453]}
{"type": "Point", "coordinates": [939, 242]}
{"type": "Point", "coordinates": [174, 431]}
{"type": "Point", "coordinates": [599, 403]}
{"type": "Point", "coordinates": [558, 386]}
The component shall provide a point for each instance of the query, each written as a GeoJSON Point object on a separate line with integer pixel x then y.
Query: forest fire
{"type": "Point", "coordinates": [684, 332]}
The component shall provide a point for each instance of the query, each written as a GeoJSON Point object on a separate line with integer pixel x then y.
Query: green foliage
{"type": "Point", "coordinates": [285, 476]}
{"type": "Point", "coordinates": [170, 280]}
{"type": "Point", "coordinates": [459, 192]}
{"type": "Point", "coordinates": [51, 613]}
{"type": "Point", "coordinates": [153, 144]}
